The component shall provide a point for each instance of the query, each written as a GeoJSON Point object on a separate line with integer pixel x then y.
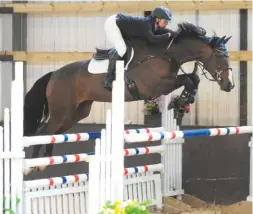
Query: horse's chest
{"type": "Point", "coordinates": [162, 85]}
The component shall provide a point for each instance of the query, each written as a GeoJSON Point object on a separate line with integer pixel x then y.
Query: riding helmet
{"type": "Point", "coordinates": [162, 13]}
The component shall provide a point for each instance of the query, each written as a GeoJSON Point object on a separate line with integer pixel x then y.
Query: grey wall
{"type": "Point", "coordinates": [5, 67]}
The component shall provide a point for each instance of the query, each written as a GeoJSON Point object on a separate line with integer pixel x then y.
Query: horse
{"type": "Point", "coordinates": [61, 98]}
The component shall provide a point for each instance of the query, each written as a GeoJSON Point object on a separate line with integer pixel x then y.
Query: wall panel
{"type": "Point", "coordinates": [250, 83]}
{"type": "Point", "coordinates": [216, 107]}
{"type": "Point", "coordinates": [5, 67]}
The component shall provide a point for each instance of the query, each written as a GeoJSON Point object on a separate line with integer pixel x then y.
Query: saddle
{"type": "Point", "coordinates": [108, 54]}
{"type": "Point", "coordinates": [104, 54]}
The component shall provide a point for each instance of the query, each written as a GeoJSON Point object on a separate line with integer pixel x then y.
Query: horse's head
{"type": "Point", "coordinates": [193, 44]}
{"type": "Point", "coordinates": [216, 62]}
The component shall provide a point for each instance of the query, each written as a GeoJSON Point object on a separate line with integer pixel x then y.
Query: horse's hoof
{"type": "Point", "coordinates": [41, 168]}
{"type": "Point", "coordinates": [27, 171]}
{"type": "Point", "coordinates": [191, 99]}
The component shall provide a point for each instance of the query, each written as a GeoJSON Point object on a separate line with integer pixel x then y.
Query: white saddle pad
{"type": "Point", "coordinates": [101, 66]}
{"type": "Point", "coordinates": [98, 66]}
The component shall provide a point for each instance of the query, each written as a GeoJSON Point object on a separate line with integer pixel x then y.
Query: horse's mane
{"type": "Point", "coordinates": [186, 29]}
{"type": "Point", "coordinates": [189, 29]}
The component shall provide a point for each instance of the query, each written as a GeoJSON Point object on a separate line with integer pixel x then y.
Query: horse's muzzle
{"type": "Point", "coordinates": [227, 82]}
{"type": "Point", "coordinates": [227, 86]}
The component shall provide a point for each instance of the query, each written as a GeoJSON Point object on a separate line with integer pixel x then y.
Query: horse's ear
{"type": "Point", "coordinates": [221, 40]}
{"type": "Point", "coordinates": [212, 41]}
{"type": "Point", "coordinates": [226, 40]}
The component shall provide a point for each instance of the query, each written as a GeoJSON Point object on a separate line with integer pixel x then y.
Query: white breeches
{"type": "Point", "coordinates": [114, 35]}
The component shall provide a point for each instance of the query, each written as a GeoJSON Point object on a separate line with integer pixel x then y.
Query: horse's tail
{"type": "Point", "coordinates": [36, 105]}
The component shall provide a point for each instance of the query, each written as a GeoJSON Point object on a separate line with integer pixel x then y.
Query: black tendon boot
{"type": "Point", "coordinates": [183, 99]}
{"type": "Point", "coordinates": [110, 76]}
{"type": "Point", "coordinates": [180, 101]}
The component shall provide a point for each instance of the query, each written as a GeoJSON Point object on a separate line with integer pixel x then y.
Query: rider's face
{"type": "Point", "coordinates": [162, 23]}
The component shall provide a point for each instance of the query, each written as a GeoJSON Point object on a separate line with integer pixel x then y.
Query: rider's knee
{"type": "Point", "coordinates": [109, 22]}
{"type": "Point", "coordinates": [122, 50]}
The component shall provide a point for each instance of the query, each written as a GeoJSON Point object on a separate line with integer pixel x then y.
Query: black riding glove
{"type": "Point", "coordinates": [174, 34]}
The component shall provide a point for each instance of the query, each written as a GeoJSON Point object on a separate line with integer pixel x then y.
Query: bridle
{"type": "Point", "coordinates": [219, 70]}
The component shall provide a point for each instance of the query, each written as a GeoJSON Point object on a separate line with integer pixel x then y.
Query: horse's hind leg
{"type": "Point", "coordinates": [83, 110]}
{"type": "Point", "coordinates": [57, 123]}
{"type": "Point", "coordinates": [51, 127]}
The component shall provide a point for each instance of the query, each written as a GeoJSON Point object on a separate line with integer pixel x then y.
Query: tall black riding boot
{"type": "Point", "coordinates": [111, 71]}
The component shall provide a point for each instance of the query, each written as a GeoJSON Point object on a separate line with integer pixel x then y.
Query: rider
{"type": "Point", "coordinates": [151, 28]}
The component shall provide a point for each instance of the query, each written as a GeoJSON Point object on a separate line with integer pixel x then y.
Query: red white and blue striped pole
{"type": "Point", "coordinates": [69, 179]}
{"type": "Point", "coordinates": [77, 137]}
{"type": "Point", "coordinates": [84, 157]}
{"type": "Point", "coordinates": [61, 138]}
{"type": "Point", "coordinates": [154, 136]}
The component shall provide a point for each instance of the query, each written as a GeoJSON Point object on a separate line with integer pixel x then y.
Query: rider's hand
{"type": "Point", "coordinates": [173, 34]}
{"type": "Point", "coordinates": [195, 67]}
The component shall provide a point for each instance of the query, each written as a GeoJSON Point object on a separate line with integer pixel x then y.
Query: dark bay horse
{"type": "Point", "coordinates": [61, 98]}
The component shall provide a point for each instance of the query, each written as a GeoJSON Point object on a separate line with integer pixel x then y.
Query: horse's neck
{"type": "Point", "coordinates": [142, 48]}
{"type": "Point", "coordinates": [140, 53]}
{"type": "Point", "coordinates": [185, 51]}
{"type": "Point", "coordinates": [174, 66]}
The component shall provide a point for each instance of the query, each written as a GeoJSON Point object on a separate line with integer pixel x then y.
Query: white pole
{"type": "Point", "coordinates": [7, 161]}
{"type": "Point", "coordinates": [108, 152]}
{"type": "Point", "coordinates": [118, 111]}
{"type": "Point", "coordinates": [102, 165]}
{"type": "Point", "coordinates": [94, 177]}
{"type": "Point", "coordinates": [14, 144]}
{"type": "Point", "coordinates": [1, 162]}
{"type": "Point", "coordinates": [166, 123]}
{"type": "Point", "coordinates": [17, 130]}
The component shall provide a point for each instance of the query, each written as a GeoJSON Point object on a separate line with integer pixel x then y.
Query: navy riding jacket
{"type": "Point", "coordinates": [142, 27]}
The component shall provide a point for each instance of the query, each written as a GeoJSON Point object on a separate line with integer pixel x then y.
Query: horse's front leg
{"type": "Point", "coordinates": [190, 82]}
